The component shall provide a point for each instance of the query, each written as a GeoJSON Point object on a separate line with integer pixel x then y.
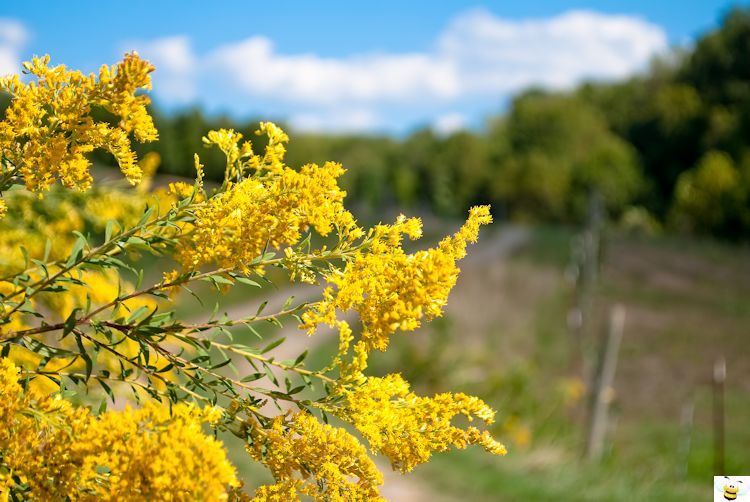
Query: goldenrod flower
{"type": "Point", "coordinates": [392, 290]}
{"type": "Point", "coordinates": [48, 128]}
{"type": "Point", "coordinates": [408, 428]}
{"type": "Point", "coordinates": [152, 453]}
{"type": "Point", "coordinates": [259, 212]}
{"type": "Point", "coordinates": [332, 463]}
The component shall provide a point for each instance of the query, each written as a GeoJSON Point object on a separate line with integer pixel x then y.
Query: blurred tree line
{"type": "Point", "coordinates": [668, 147]}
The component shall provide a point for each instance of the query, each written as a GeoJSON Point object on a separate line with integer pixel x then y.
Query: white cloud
{"type": "Point", "coordinates": [258, 69]}
{"type": "Point", "coordinates": [348, 120]}
{"type": "Point", "coordinates": [13, 36]}
{"type": "Point", "coordinates": [477, 54]}
{"type": "Point", "coordinates": [477, 57]}
{"type": "Point", "coordinates": [449, 123]}
{"type": "Point", "coordinates": [496, 55]}
{"type": "Point", "coordinates": [176, 80]}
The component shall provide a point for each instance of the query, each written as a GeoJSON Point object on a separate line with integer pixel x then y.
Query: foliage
{"type": "Point", "coordinates": [558, 150]}
{"type": "Point", "coordinates": [710, 195]}
{"type": "Point", "coordinates": [81, 319]}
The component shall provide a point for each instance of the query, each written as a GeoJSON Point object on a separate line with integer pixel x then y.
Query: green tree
{"type": "Point", "coordinates": [557, 149]}
{"type": "Point", "coordinates": [709, 197]}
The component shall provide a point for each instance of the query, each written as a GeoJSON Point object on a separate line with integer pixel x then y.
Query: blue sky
{"type": "Point", "coordinates": [366, 66]}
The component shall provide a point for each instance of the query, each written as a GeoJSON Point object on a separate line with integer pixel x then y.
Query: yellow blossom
{"type": "Point", "coordinates": [408, 428]}
{"type": "Point", "coordinates": [148, 165]}
{"type": "Point", "coordinates": [260, 212]}
{"type": "Point", "coordinates": [333, 465]}
{"type": "Point", "coordinates": [62, 451]}
{"type": "Point", "coordinates": [49, 128]}
{"type": "Point", "coordinates": [392, 290]}
{"type": "Point", "coordinates": [213, 415]}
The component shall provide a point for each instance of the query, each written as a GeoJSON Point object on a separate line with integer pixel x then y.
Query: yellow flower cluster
{"type": "Point", "coordinates": [407, 428]}
{"type": "Point", "coordinates": [333, 465]}
{"type": "Point", "coordinates": [31, 221]}
{"type": "Point", "coordinates": [275, 150]}
{"type": "Point", "coordinates": [263, 211]}
{"type": "Point", "coordinates": [49, 129]}
{"type": "Point", "coordinates": [392, 290]}
{"type": "Point", "coordinates": [61, 451]}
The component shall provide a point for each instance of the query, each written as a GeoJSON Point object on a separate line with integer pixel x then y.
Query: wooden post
{"type": "Point", "coordinates": [586, 251]}
{"type": "Point", "coordinates": [719, 378]}
{"type": "Point", "coordinates": [687, 416]}
{"type": "Point", "coordinates": [603, 391]}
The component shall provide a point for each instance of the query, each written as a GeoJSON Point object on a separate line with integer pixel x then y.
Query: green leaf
{"type": "Point", "coordinates": [77, 250]}
{"type": "Point", "coordinates": [217, 279]}
{"type": "Point", "coordinates": [300, 358]}
{"type": "Point", "coordinates": [288, 303]}
{"type": "Point", "coordinates": [252, 377]}
{"type": "Point", "coordinates": [136, 314]}
{"type": "Point", "coordinates": [146, 215]}
{"type": "Point", "coordinates": [85, 356]}
{"type": "Point", "coordinates": [221, 364]}
{"type": "Point", "coordinates": [137, 243]}
{"type": "Point", "coordinates": [108, 230]}
{"type": "Point", "coordinates": [273, 345]}
{"type": "Point", "coordinates": [47, 249]}
{"type": "Point", "coordinates": [70, 322]}
{"type": "Point", "coordinates": [25, 254]}
{"type": "Point", "coordinates": [249, 282]}
{"type": "Point", "coordinates": [107, 389]}
{"type": "Point", "coordinates": [270, 375]}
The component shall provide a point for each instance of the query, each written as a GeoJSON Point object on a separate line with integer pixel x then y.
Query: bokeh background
{"type": "Point", "coordinates": [607, 313]}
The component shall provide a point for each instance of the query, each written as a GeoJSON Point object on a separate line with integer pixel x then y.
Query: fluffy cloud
{"type": "Point", "coordinates": [311, 79]}
{"type": "Point", "coordinates": [13, 36]}
{"type": "Point", "coordinates": [477, 57]}
{"type": "Point", "coordinates": [176, 80]}
{"type": "Point", "coordinates": [494, 55]}
{"type": "Point", "coordinates": [449, 123]}
{"type": "Point", "coordinates": [477, 54]}
{"type": "Point", "coordinates": [336, 120]}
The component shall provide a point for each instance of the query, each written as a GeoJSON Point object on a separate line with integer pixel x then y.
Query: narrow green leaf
{"type": "Point", "coordinates": [249, 282]}
{"type": "Point", "coordinates": [70, 322]}
{"type": "Point", "coordinates": [273, 345]}
{"type": "Point", "coordinates": [136, 314]}
{"type": "Point", "coordinates": [221, 364]}
{"type": "Point", "coordinates": [108, 230]}
{"type": "Point", "coordinates": [300, 358]}
{"type": "Point", "coordinates": [252, 377]}
{"type": "Point", "coordinates": [77, 250]}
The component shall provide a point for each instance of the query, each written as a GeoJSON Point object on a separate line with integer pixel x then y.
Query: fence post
{"type": "Point", "coordinates": [687, 416]}
{"type": "Point", "coordinates": [602, 392]}
{"type": "Point", "coordinates": [719, 379]}
{"type": "Point", "coordinates": [586, 257]}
